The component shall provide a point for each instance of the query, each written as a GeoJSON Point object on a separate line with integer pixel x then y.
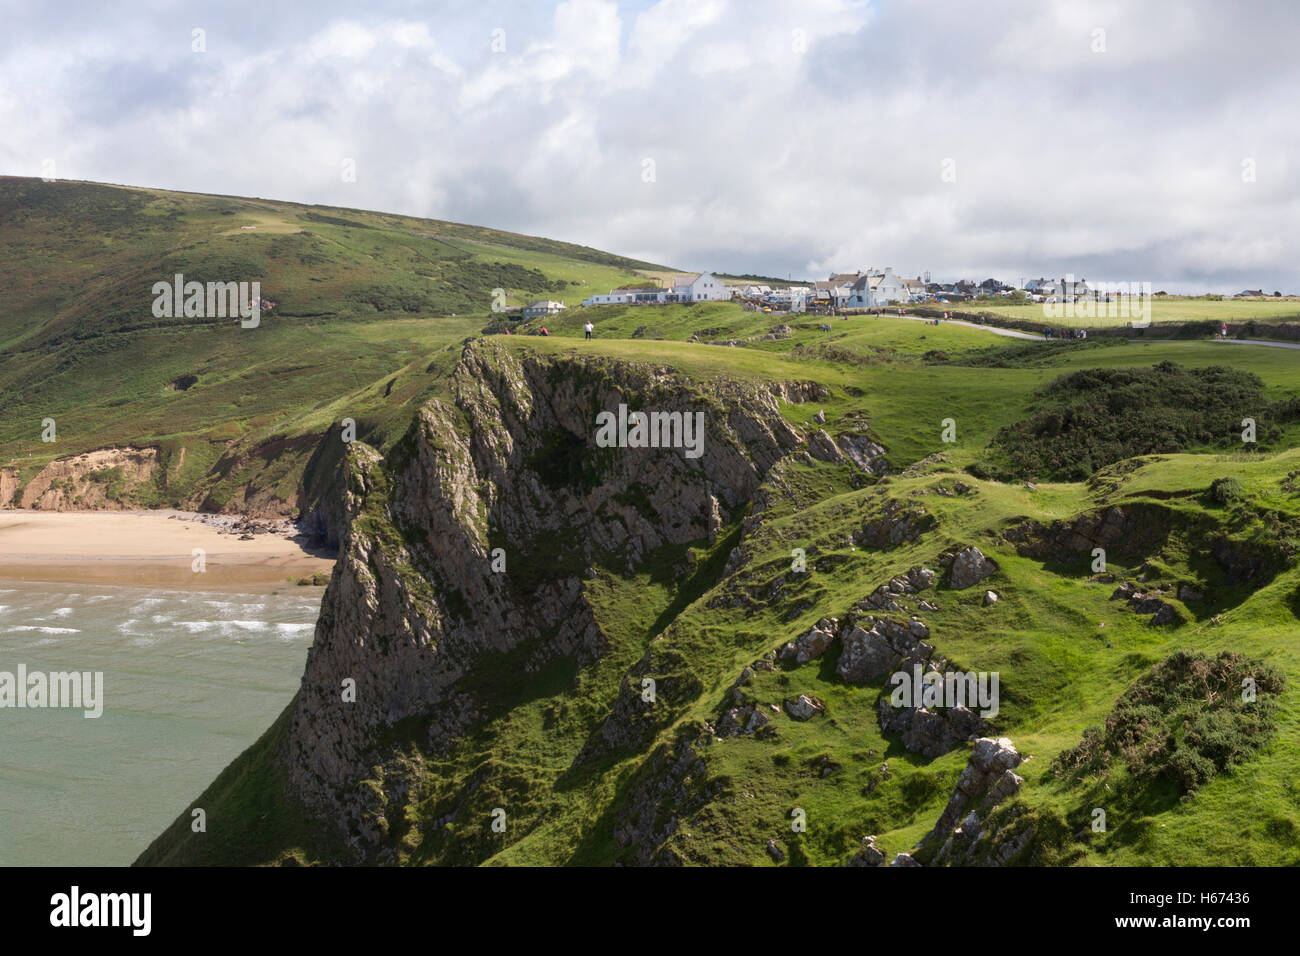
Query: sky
{"type": "Point", "coordinates": [1112, 141]}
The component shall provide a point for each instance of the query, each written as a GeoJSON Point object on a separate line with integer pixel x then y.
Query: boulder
{"type": "Point", "coordinates": [868, 854]}
{"type": "Point", "coordinates": [814, 644]}
{"type": "Point", "coordinates": [881, 647]}
{"type": "Point", "coordinates": [804, 707]}
{"type": "Point", "coordinates": [990, 597]}
{"type": "Point", "coordinates": [969, 567]}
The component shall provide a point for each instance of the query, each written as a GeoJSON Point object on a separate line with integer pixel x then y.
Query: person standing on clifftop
{"type": "Point", "coordinates": [588, 329]}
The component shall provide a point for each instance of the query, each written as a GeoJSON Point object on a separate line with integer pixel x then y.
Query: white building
{"type": "Point", "coordinates": [705, 287]}
{"type": "Point", "coordinates": [542, 307]}
{"type": "Point", "coordinates": [890, 289]}
{"type": "Point", "coordinates": [616, 297]}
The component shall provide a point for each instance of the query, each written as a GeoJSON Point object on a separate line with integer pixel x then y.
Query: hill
{"type": "Point", "coordinates": [650, 679]}
{"type": "Point", "coordinates": [228, 416]}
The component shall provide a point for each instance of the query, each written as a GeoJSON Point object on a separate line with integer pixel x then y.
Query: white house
{"type": "Point", "coordinates": [861, 294]}
{"type": "Point", "coordinates": [705, 287]}
{"type": "Point", "coordinates": [757, 291]}
{"type": "Point", "coordinates": [915, 289]}
{"type": "Point", "coordinates": [890, 288]}
{"type": "Point", "coordinates": [542, 307]}
{"type": "Point", "coordinates": [614, 298]}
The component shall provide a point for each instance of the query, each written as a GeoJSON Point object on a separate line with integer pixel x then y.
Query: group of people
{"type": "Point", "coordinates": [588, 330]}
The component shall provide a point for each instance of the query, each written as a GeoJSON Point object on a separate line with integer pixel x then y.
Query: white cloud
{"type": "Point", "coordinates": [787, 137]}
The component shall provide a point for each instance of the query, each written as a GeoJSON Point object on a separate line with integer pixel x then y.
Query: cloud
{"type": "Point", "coordinates": [1006, 138]}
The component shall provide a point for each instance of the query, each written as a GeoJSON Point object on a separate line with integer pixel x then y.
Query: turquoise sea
{"type": "Point", "coordinates": [191, 678]}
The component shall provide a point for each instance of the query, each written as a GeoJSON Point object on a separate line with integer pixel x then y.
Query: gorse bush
{"type": "Point", "coordinates": [1092, 418]}
{"type": "Point", "coordinates": [1225, 490]}
{"type": "Point", "coordinates": [1187, 720]}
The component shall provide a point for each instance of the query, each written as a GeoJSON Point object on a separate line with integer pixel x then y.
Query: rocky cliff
{"type": "Point", "coordinates": [468, 550]}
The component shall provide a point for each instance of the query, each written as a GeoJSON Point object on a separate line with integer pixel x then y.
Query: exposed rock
{"type": "Point", "coordinates": [904, 859]}
{"type": "Point", "coordinates": [868, 854]}
{"type": "Point", "coordinates": [990, 597]}
{"type": "Point", "coordinates": [804, 707]}
{"type": "Point", "coordinates": [969, 567]}
{"type": "Point", "coordinates": [896, 524]}
{"type": "Point", "coordinates": [1115, 529]}
{"type": "Point", "coordinates": [414, 609]}
{"type": "Point", "coordinates": [932, 733]}
{"type": "Point", "coordinates": [1189, 595]}
{"type": "Point", "coordinates": [741, 721]}
{"type": "Point", "coordinates": [1165, 615]}
{"type": "Point", "coordinates": [823, 448]}
{"type": "Point", "coordinates": [881, 647]}
{"type": "Point", "coordinates": [79, 482]}
{"type": "Point", "coordinates": [863, 452]}
{"type": "Point", "coordinates": [986, 780]}
{"type": "Point", "coordinates": [815, 643]}
{"type": "Point", "coordinates": [671, 784]}
{"type": "Point", "coordinates": [885, 597]}
{"type": "Point", "coordinates": [775, 852]}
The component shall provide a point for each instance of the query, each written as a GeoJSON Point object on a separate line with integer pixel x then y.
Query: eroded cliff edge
{"type": "Point", "coordinates": [505, 471]}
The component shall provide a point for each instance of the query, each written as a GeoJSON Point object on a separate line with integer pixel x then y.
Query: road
{"type": "Point", "coordinates": [1010, 333]}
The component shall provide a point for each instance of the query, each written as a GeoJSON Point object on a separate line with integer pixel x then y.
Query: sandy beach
{"type": "Point", "coordinates": [146, 548]}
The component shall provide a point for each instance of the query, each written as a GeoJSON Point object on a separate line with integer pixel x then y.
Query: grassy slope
{"type": "Point", "coordinates": [1061, 669]}
{"type": "Point", "coordinates": [80, 345]}
{"type": "Point", "coordinates": [1173, 308]}
{"type": "Point", "coordinates": [362, 300]}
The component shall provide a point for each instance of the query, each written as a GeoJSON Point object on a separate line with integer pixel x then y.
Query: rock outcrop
{"type": "Point", "coordinates": [969, 567]}
{"type": "Point", "coordinates": [987, 779]}
{"type": "Point", "coordinates": [880, 646]}
{"type": "Point", "coordinates": [107, 478]}
{"type": "Point", "coordinates": [930, 732]}
{"type": "Point", "coordinates": [896, 524]}
{"type": "Point", "coordinates": [506, 469]}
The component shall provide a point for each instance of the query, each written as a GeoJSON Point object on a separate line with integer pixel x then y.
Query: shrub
{"type": "Point", "coordinates": [1225, 490]}
{"type": "Point", "coordinates": [1189, 696]}
{"type": "Point", "coordinates": [1095, 417]}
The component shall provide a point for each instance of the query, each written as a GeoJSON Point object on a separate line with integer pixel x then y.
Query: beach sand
{"type": "Point", "coordinates": [145, 548]}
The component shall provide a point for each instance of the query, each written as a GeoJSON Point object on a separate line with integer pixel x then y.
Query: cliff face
{"type": "Point", "coordinates": [468, 548]}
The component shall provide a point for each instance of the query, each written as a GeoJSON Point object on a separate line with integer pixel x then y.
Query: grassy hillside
{"type": "Point", "coordinates": [1066, 651]}
{"type": "Point", "coordinates": [363, 302]}
{"type": "Point", "coordinates": [1164, 309]}
{"type": "Point", "coordinates": [984, 434]}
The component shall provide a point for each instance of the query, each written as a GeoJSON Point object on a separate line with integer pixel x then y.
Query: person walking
{"type": "Point", "coordinates": [588, 329]}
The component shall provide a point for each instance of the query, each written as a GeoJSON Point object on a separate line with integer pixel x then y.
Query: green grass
{"type": "Point", "coordinates": [1163, 309]}
{"type": "Point", "coordinates": [373, 312]}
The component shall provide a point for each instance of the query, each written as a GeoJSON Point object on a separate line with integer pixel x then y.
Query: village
{"type": "Point", "coordinates": [860, 291]}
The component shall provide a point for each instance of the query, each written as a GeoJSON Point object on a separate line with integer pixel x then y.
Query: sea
{"type": "Point", "coordinates": [190, 679]}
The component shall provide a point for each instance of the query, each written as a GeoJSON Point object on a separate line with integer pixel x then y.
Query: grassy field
{"type": "Point", "coordinates": [1123, 311]}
